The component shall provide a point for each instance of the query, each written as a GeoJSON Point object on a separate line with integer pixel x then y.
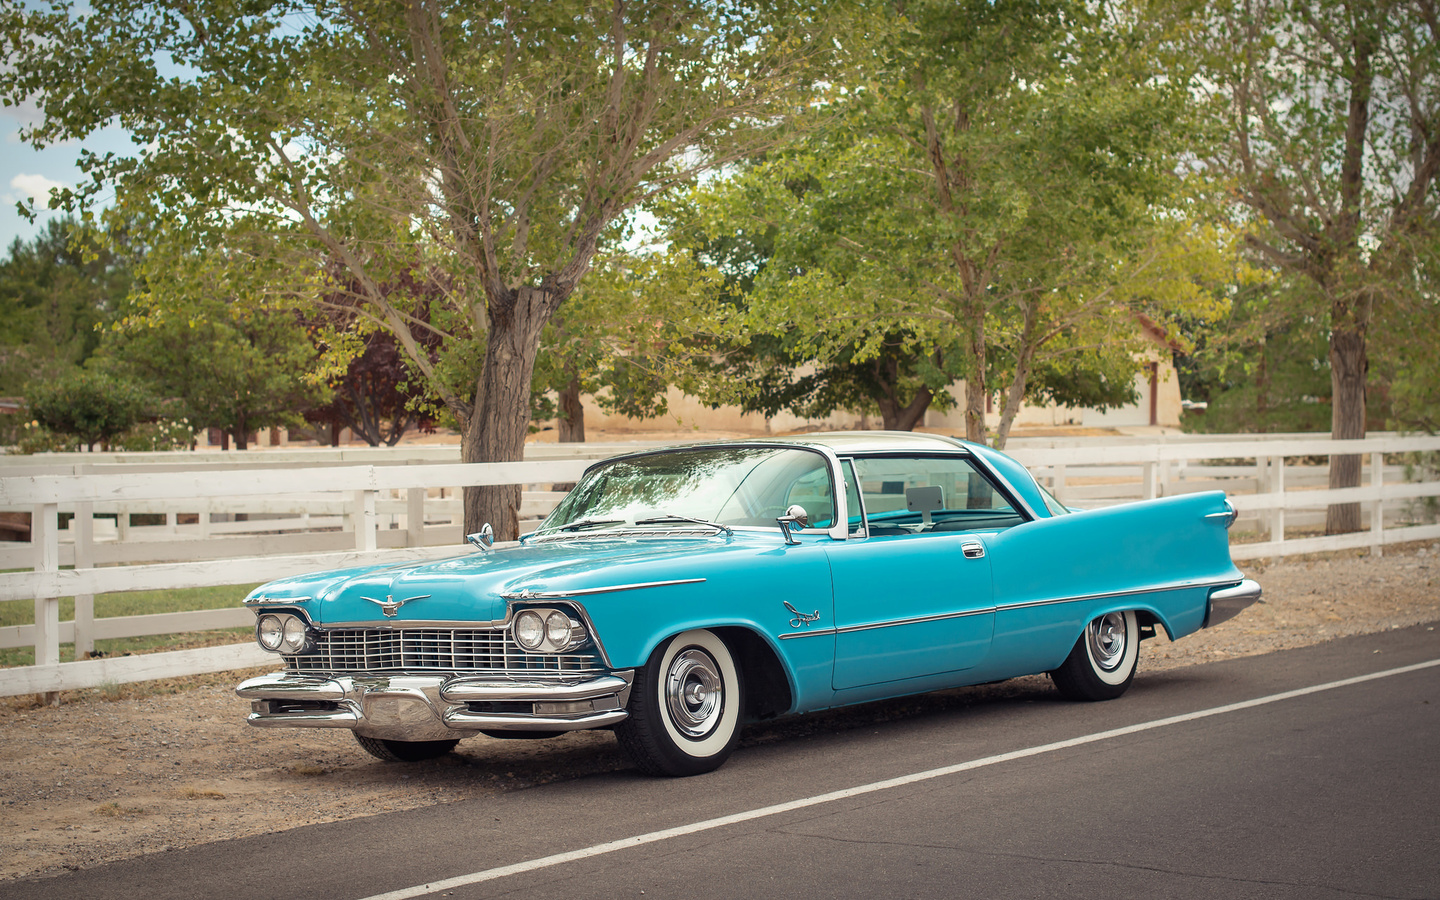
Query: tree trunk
{"type": "Point", "coordinates": [572, 413]}
{"type": "Point", "coordinates": [975, 387]}
{"type": "Point", "coordinates": [1348, 368]}
{"type": "Point", "coordinates": [894, 417]}
{"type": "Point", "coordinates": [496, 429]}
{"type": "Point", "coordinates": [1024, 363]}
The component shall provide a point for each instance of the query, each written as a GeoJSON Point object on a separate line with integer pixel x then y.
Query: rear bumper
{"type": "Point", "coordinates": [1227, 603]}
{"type": "Point", "coordinates": [433, 707]}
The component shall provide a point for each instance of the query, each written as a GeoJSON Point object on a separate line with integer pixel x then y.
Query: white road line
{"type": "Point", "coordinates": [750, 815]}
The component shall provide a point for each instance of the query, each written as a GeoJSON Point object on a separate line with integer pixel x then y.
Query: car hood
{"type": "Point", "coordinates": [469, 588]}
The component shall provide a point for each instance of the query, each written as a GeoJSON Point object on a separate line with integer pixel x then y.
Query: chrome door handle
{"type": "Point", "coordinates": [972, 549]}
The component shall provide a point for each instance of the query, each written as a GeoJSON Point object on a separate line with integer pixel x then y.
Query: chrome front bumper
{"type": "Point", "coordinates": [1227, 603]}
{"type": "Point", "coordinates": [433, 707]}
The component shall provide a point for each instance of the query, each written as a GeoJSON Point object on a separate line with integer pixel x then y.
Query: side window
{"type": "Point", "coordinates": [854, 511]}
{"type": "Point", "coordinates": [813, 492]}
{"type": "Point", "coordinates": [926, 495]}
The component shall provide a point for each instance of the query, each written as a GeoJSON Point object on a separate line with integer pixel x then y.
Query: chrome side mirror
{"type": "Point", "coordinates": [795, 515]}
{"type": "Point", "coordinates": [484, 538]}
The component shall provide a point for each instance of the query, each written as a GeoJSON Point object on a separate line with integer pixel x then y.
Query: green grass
{"type": "Point", "coordinates": [134, 603]}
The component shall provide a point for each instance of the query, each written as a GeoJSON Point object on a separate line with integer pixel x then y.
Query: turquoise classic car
{"type": "Point", "coordinates": [674, 595]}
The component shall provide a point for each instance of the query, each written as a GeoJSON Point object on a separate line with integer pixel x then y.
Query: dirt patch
{"type": "Point", "coordinates": [117, 773]}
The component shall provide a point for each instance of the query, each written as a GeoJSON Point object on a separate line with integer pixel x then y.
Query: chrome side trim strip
{"type": "Point", "coordinates": [819, 632]}
{"type": "Point", "coordinates": [915, 620]}
{"type": "Point", "coordinates": [871, 626]}
{"type": "Point", "coordinates": [275, 601]}
{"type": "Point", "coordinates": [1005, 607]}
{"type": "Point", "coordinates": [1104, 595]}
{"type": "Point", "coordinates": [528, 594]}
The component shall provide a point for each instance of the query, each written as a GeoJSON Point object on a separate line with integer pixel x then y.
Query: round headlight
{"type": "Point", "coordinates": [529, 629]}
{"type": "Point", "coordinates": [270, 631]}
{"type": "Point", "coordinates": [557, 630]}
{"type": "Point", "coordinates": [293, 637]}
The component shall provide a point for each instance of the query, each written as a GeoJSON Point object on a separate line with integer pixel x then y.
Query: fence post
{"type": "Point", "coordinates": [415, 517]}
{"type": "Point", "coordinates": [1057, 482]}
{"type": "Point", "coordinates": [45, 537]}
{"type": "Point", "coordinates": [1147, 479]}
{"type": "Point", "coordinates": [366, 538]}
{"type": "Point", "coordinates": [1265, 518]}
{"type": "Point", "coordinates": [1277, 523]}
{"type": "Point", "coordinates": [83, 527]}
{"type": "Point", "coordinates": [1377, 515]}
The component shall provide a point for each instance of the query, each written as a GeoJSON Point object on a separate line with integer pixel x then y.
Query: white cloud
{"type": "Point", "coordinates": [37, 186]}
{"type": "Point", "coordinates": [25, 186]}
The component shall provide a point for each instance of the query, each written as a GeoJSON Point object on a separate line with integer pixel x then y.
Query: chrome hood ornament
{"type": "Point", "coordinates": [390, 606]}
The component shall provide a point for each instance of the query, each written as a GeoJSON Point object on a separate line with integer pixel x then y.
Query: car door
{"type": "Point", "coordinates": [911, 598]}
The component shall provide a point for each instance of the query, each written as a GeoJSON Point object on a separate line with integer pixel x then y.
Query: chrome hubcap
{"type": "Point", "coordinates": [1106, 636]}
{"type": "Point", "coordinates": [694, 692]}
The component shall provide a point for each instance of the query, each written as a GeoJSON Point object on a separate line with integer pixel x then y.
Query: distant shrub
{"type": "Point", "coordinates": [36, 438]}
{"type": "Point", "coordinates": [161, 434]}
{"type": "Point", "coordinates": [94, 407]}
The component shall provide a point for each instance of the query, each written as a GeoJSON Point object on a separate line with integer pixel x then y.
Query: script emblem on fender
{"type": "Point", "coordinates": [801, 618]}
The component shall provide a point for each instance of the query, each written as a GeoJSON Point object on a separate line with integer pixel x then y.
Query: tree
{"type": "Point", "coordinates": [998, 199]}
{"type": "Point", "coordinates": [1333, 116]}
{"type": "Point", "coordinates": [631, 330]}
{"type": "Point", "coordinates": [91, 405]}
{"type": "Point", "coordinates": [498, 142]}
{"type": "Point", "coordinates": [54, 292]}
{"type": "Point", "coordinates": [375, 397]}
{"type": "Point", "coordinates": [225, 366]}
{"type": "Point", "coordinates": [373, 390]}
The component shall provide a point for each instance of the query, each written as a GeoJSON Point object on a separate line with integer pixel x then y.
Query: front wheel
{"type": "Point", "coordinates": [684, 707]}
{"type": "Point", "coordinates": [1102, 663]}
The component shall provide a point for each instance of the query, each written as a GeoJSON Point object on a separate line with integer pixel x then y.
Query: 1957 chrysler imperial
{"type": "Point", "coordinates": [675, 594]}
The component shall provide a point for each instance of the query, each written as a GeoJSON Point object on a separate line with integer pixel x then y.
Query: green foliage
{"type": "Point", "coordinates": [91, 405]}
{"type": "Point", "coordinates": [497, 143]}
{"type": "Point", "coordinates": [634, 327]}
{"type": "Point", "coordinates": [1405, 360]}
{"type": "Point", "coordinates": [1331, 109]}
{"type": "Point", "coordinates": [32, 437]}
{"type": "Point", "coordinates": [161, 434]}
{"type": "Point", "coordinates": [54, 293]}
{"type": "Point", "coordinates": [225, 366]}
{"type": "Point", "coordinates": [993, 198]}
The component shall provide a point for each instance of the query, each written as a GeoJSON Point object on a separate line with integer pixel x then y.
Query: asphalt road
{"type": "Point", "coordinates": [1185, 787]}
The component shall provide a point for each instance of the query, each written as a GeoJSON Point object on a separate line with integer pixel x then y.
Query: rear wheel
{"type": "Point", "coordinates": [404, 751]}
{"type": "Point", "coordinates": [1102, 663]}
{"type": "Point", "coordinates": [684, 707]}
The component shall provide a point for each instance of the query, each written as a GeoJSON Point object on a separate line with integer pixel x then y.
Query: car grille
{"type": "Point", "coordinates": [461, 650]}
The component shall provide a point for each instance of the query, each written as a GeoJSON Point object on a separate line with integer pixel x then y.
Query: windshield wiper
{"type": "Point", "coordinates": [671, 517]}
{"type": "Point", "coordinates": [585, 523]}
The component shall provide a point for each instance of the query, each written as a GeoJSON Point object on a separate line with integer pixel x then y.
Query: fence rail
{"type": "Point", "coordinates": [304, 511]}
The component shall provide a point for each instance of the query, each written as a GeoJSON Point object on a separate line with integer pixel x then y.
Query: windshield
{"type": "Point", "coordinates": [729, 486]}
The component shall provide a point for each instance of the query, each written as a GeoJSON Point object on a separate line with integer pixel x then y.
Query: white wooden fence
{"type": "Point", "coordinates": [312, 510]}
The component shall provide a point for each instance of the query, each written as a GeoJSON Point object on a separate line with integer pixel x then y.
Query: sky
{"type": "Point", "coordinates": [27, 172]}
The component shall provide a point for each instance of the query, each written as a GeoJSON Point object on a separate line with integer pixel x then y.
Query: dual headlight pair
{"type": "Point", "coordinates": [282, 633]}
{"type": "Point", "coordinates": [547, 631]}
